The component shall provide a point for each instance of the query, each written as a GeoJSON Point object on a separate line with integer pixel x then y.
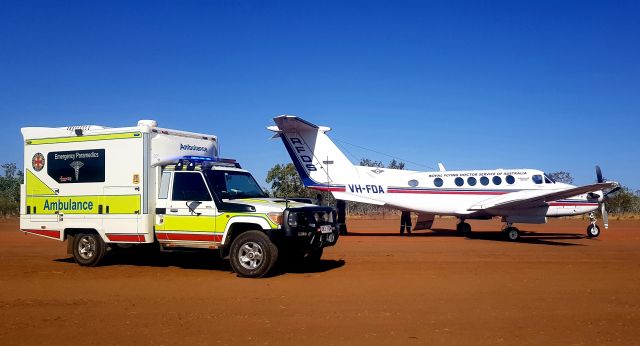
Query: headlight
{"type": "Point", "coordinates": [292, 220]}
{"type": "Point", "coordinates": [276, 218]}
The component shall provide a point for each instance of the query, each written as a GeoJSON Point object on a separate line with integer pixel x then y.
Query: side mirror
{"type": "Point", "coordinates": [192, 205]}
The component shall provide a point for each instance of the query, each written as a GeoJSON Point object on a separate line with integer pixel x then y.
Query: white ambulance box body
{"type": "Point", "coordinates": [104, 179]}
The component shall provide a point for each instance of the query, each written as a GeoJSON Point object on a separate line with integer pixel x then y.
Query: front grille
{"type": "Point", "coordinates": [305, 218]}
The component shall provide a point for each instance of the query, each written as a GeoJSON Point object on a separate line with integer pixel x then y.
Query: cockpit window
{"type": "Point", "coordinates": [537, 179]}
{"type": "Point", "coordinates": [548, 179]}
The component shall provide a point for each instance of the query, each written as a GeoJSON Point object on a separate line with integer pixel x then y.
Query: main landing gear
{"type": "Point", "coordinates": [511, 233]}
{"type": "Point", "coordinates": [593, 231]}
{"type": "Point", "coordinates": [463, 228]}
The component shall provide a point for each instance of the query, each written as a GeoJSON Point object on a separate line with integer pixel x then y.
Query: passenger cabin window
{"type": "Point", "coordinates": [189, 187]}
{"type": "Point", "coordinates": [459, 181]}
{"type": "Point", "coordinates": [484, 181]}
{"type": "Point", "coordinates": [497, 180]}
{"type": "Point", "coordinates": [472, 181]}
{"type": "Point", "coordinates": [164, 185]}
{"type": "Point", "coordinates": [510, 179]}
{"type": "Point", "coordinates": [438, 182]}
{"type": "Point", "coordinates": [537, 179]}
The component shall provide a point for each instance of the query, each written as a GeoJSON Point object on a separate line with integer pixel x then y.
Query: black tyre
{"type": "Point", "coordinates": [252, 254]}
{"type": "Point", "coordinates": [512, 233]}
{"type": "Point", "coordinates": [463, 228]}
{"type": "Point", "coordinates": [593, 231]}
{"type": "Point", "coordinates": [88, 249]}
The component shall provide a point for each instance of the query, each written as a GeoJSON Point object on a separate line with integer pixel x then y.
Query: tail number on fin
{"type": "Point", "coordinates": [357, 188]}
{"type": "Point", "coordinates": [303, 154]}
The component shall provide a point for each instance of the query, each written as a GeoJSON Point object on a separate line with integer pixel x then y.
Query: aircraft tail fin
{"type": "Point", "coordinates": [320, 163]}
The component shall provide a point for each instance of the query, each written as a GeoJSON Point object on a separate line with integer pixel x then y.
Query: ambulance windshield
{"type": "Point", "coordinates": [231, 185]}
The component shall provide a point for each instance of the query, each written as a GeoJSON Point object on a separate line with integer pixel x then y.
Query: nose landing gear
{"type": "Point", "coordinates": [593, 231]}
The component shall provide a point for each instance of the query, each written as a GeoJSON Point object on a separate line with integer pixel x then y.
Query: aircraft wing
{"type": "Point", "coordinates": [532, 199]}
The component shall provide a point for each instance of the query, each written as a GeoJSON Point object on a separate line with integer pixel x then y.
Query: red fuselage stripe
{"type": "Point", "coordinates": [444, 192]}
{"type": "Point", "coordinates": [573, 204]}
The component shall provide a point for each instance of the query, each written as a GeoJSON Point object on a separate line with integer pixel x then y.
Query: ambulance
{"type": "Point", "coordinates": [100, 188]}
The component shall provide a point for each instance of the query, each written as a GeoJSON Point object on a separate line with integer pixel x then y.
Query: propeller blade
{"type": "Point", "coordinates": [605, 216]}
{"type": "Point", "coordinates": [614, 190]}
{"type": "Point", "coordinates": [599, 174]}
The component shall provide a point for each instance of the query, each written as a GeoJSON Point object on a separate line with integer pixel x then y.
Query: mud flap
{"type": "Point", "coordinates": [70, 238]}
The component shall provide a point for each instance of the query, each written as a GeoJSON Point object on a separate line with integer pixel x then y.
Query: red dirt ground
{"type": "Point", "coordinates": [374, 287]}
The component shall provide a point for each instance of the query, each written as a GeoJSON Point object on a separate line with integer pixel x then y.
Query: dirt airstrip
{"type": "Point", "coordinates": [374, 287]}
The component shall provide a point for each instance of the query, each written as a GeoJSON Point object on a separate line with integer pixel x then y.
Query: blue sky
{"type": "Point", "coordinates": [553, 85]}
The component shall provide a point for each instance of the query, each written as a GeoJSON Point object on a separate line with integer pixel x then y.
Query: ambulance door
{"type": "Point", "coordinates": [120, 209]}
{"type": "Point", "coordinates": [162, 200]}
{"type": "Point", "coordinates": [191, 212]}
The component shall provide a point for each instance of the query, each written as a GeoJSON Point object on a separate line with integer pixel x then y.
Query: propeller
{"type": "Point", "coordinates": [605, 215]}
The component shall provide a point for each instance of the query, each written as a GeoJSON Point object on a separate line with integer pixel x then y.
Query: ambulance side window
{"type": "Point", "coordinates": [189, 187]}
{"type": "Point", "coordinates": [164, 185]}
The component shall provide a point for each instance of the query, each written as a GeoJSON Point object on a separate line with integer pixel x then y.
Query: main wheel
{"type": "Point", "coordinates": [252, 254]}
{"type": "Point", "coordinates": [463, 228]}
{"type": "Point", "coordinates": [88, 249]}
{"type": "Point", "coordinates": [512, 233]}
{"type": "Point", "coordinates": [593, 231]}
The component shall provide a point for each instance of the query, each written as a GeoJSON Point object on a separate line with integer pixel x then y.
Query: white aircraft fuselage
{"type": "Point", "coordinates": [457, 193]}
{"type": "Point", "coordinates": [516, 195]}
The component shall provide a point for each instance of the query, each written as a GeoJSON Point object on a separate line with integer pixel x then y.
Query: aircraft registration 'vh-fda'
{"type": "Point", "coordinates": [516, 195]}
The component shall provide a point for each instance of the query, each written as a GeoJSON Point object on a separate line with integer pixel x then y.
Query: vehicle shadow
{"type": "Point", "coordinates": [199, 260]}
{"type": "Point", "coordinates": [324, 265]}
{"type": "Point", "coordinates": [554, 239]}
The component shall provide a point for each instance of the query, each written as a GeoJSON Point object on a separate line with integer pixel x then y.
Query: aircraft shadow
{"type": "Point", "coordinates": [554, 239]}
{"type": "Point", "coordinates": [198, 260]}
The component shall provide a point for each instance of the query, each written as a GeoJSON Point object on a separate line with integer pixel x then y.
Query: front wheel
{"type": "Point", "coordinates": [593, 231]}
{"type": "Point", "coordinates": [88, 249]}
{"type": "Point", "coordinates": [252, 254]}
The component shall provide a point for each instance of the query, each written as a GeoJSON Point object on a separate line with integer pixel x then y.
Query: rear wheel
{"type": "Point", "coordinates": [512, 233]}
{"type": "Point", "coordinates": [88, 249]}
{"type": "Point", "coordinates": [463, 228]}
{"type": "Point", "coordinates": [593, 231]}
{"type": "Point", "coordinates": [252, 254]}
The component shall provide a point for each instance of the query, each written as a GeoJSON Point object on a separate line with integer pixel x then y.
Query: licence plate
{"type": "Point", "coordinates": [325, 229]}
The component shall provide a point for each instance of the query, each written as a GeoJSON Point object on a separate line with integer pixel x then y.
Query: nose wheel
{"type": "Point", "coordinates": [593, 231]}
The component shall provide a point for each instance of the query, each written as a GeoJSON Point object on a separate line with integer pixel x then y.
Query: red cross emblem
{"type": "Point", "coordinates": [37, 162]}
